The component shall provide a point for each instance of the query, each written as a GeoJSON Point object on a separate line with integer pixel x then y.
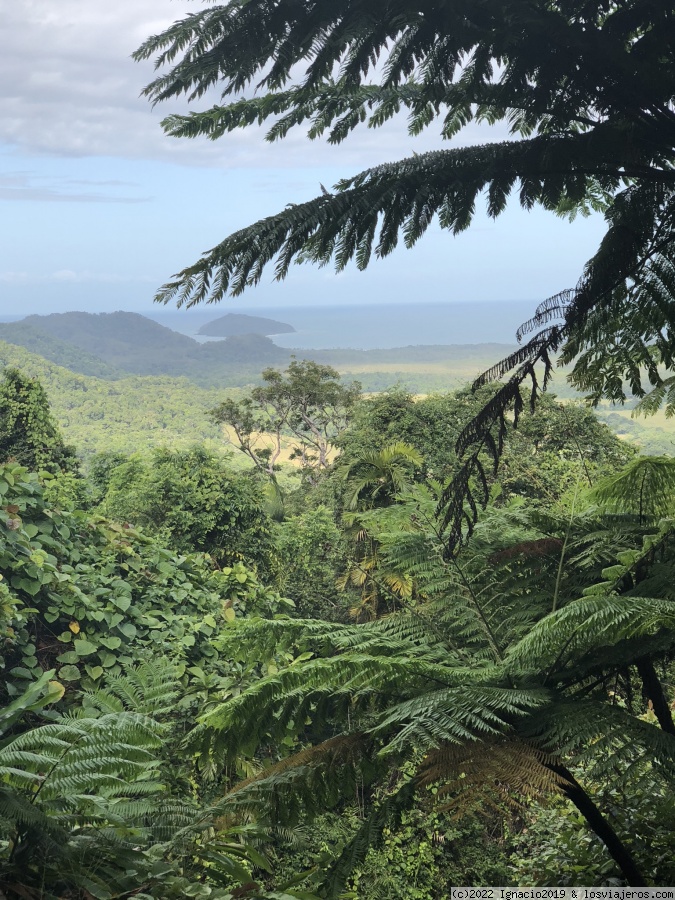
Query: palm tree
{"type": "Point", "coordinates": [374, 479]}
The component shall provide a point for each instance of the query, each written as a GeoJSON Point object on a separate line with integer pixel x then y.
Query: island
{"type": "Point", "coordinates": [237, 323]}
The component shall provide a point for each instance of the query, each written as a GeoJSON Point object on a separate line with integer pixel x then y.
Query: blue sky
{"type": "Point", "coordinates": [99, 207]}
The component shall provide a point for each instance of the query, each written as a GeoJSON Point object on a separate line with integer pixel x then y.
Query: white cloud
{"type": "Point", "coordinates": [22, 186]}
{"type": "Point", "coordinates": [69, 276]}
{"type": "Point", "coordinates": [67, 83]}
{"type": "Point", "coordinates": [68, 87]}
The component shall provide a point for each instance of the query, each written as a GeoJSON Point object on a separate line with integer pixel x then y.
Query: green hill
{"type": "Point", "coordinates": [32, 337]}
{"type": "Point", "coordinates": [118, 338]}
{"type": "Point", "coordinates": [237, 323]}
{"type": "Point", "coordinates": [109, 345]}
{"type": "Point", "coordinates": [127, 414]}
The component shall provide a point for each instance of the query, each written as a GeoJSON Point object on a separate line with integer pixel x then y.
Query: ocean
{"type": "Point", "coordinates": [371, 327]}
{"type": "Point", "coordinates": [365, 327]}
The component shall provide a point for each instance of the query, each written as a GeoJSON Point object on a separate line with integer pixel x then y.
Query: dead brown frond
{"type": "Point", "coordinates": [342, 749]}
{"type": "Point", "coordinates": [528, 549]}
{"type": "Point", "coordinates": [487, 776]}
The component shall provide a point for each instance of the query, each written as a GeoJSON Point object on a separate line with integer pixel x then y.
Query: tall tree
{"type": "Point", "coordinates": [305, 408]}
{"type": "Point", "coordinates": [28, 432]}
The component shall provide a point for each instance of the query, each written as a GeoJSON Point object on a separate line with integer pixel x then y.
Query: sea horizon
{"type": "Point", "coordinates": [363, 327]}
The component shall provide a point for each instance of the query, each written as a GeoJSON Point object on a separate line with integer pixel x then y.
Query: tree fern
{"type": "Point", "coordinates": [640, 229]}
{"type": "Point", "coordinates": [398, 690]}
{"type": "Point", "coordinates": [80, 792]}
{"type": "Point", "coordinates": [585, 628]}
{"type": "Point", "coordinates": [645, 488]}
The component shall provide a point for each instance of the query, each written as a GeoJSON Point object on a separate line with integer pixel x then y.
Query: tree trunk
{"type": "Point", "coordinates": [599, 824]}
{"type": "Point", "coordinates": [654, 692]}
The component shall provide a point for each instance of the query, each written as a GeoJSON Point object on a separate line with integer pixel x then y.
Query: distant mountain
{"type": "Point", "coordinates": [125, 340]}
{"type": "Point", "coordinates": [36, 340]}
{"type": "Point", "coordinates": [109, 345]}
{"type": "Point", "coordinates": [236, 323]}
{"type": "Point", "coordinates": [113, 346]}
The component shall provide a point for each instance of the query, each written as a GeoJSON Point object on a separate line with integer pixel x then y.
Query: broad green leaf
{"type": "Point", "coordinates": [84, 648]}
{"type": "Point", "coordinates": [69, 673]}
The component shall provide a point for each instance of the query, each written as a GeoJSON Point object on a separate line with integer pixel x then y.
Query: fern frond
{"type": "Point", "coordinates": [475, 777]}
{"type": "Point", "coordinates": [640, 225]}
{"type": "Point", "coordinates": [585, 627]}
{"type": "Point", "coordinates": [456, 716]}
{"type": "Point", "coordinates": [263, 711]}
{"type": "Point", "coordinates": [645, 487]}
{"type": "Point", "coordinates": [608, 739]}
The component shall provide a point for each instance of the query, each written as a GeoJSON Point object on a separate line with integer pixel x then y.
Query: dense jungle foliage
{"type": "Point", "coordinates": [440, 653]}
{"type": "Point", "coordinates": [224, 683]}
{"type": "Point", "coordinates": [100, 410]}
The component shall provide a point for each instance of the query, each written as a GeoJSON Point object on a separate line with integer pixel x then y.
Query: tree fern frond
{"type": "Point", "coordinates": [473, 777]}
{"type": "Point", "coordinates": [457, 715]}
{"type": "Point", "coordinates": [645, 487]}
{"type": "Point", "coordinates": [338, 750]}
{"type": "Point", "coordinates": [338, 682]}
{"type": "Point", "coordinates": [607, 739]}
{"type": "Point", "coordinates": [585, 627]}
{"type": "Point", "coordinates": [640, 224]}
{"type": "Point", "coordinates": [359, 216]}
{"type": "Point", "coordinates": [149, 689]}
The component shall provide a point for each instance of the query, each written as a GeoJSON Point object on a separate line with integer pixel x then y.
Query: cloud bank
{"type": "Point", "coordinates": [22, 186]}
{"type": "Point", "coordinates": [68, 87]}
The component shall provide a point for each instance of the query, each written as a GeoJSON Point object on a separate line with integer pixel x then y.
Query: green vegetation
{"type": "Point", "coordinates": [28, 432]}
{"type": "Point", "coordinates": [297, 693]}
{"type": "Point", "coordinates": [118, 412]}
{"type": "Point", "coordinates": [654, 435]}
{"type": "Point", "coordinates": [443, 656]}
{"type": "Point", "coordinates": [306, 404]}
{"type": "Point", "coordinates": [122, 415]}
{"type": "Point", "coordinates": [68, 355]}
{"type": "Point", "coordinates": [191, 498]}
{"type": "Point", "coordinates": [236, 323]}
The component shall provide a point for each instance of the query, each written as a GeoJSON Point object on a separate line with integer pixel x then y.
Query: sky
{"type": "Point", "coordinates": [99, 207]}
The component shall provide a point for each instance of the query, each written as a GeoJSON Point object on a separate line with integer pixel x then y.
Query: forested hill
{"type": "Point", "coordinates": [125, 414]}
{"type": "Point", "coordinates": [237, 323]}
{"type": "Point", "coordinates": [110, 345]}
{"type": "Point", "coordinates": [29, 335]}
{"type": "Point", "coordinates": [115, 345]}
